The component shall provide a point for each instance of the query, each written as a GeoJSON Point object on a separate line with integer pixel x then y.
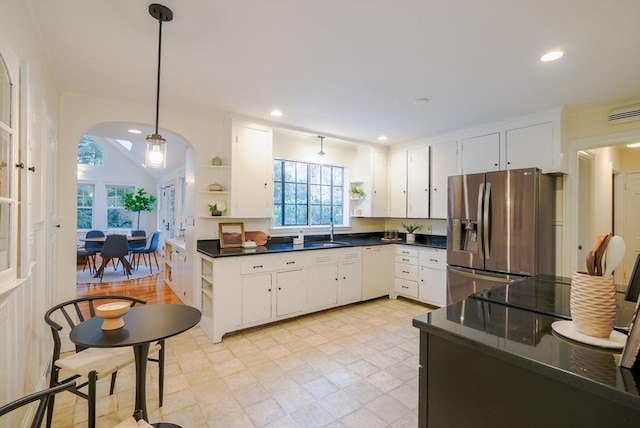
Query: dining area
{"type": "Point", "coordinates": [97, 250]}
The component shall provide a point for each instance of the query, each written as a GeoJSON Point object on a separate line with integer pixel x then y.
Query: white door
{"type": "Point", "coordinates": [444, 162]}
{"type": "Point", "coordinates": [585, 208]}
{"type": "Point", "coordinates": [167, 209]}
{"type": "Point", "coordinates": [631, 222]}
{"type": "Point", "coordinates": [379, 203]}
{"type": "Point", "coordinates": [529, 147]}
{"type": "Point", "coordinates": [350, 283]}
{"type": "Point", "coordinates": [418, 183]}
{"type": "Point", "coordinates": [322, 286]}
{"type": "Point", "coordinates": [256, 298]}
{"type": "Point", "coordinates": [398, 184]}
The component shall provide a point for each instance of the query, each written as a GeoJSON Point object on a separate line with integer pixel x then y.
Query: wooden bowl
{"type": "Point", "coordinates": [112, 314]}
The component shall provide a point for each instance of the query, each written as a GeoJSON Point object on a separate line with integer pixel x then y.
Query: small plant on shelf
{"type": "Point", "coordinates": [357, 192]}
{"type": "Point", "coordinates": [412, 227]}
{"type": "Point", "coordinates": [217, 208]}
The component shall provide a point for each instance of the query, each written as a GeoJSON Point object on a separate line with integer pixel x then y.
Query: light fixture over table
{"type": "Point", "coordinates": [156, 156]}
{"type": "Point", "coordinates": [321, 152]}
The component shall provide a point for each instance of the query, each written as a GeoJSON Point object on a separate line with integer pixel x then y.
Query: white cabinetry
{"type": "Point", "coordinates": [377, 271]}
{"type": "Point", "coordinates": [256, 298]}
{"type": "Point", "coordinates": [350, 277]}
{"type": "Point", "coordinates": [398, 184]}
{"type": "Point", "coordinates": [252, 164]}
{"type": "Point", "coordinates": [480, 154]}
{"type": "Point", "coordinates": [176, 273]}
{"type": "Point", "coordinates": [220, 297]}
{"type": "Point", "coordinates": [530, 146]}
{"type": "Point", "coordinates": [371, 174]}
{"type": "Point", "coordinates": [432, 287]}
{"type": "Point", "coordinates": [444, 162]}
{"type": "Point", "coordinates": [418, 183]}
{"type": "Point", "coordinates": [405, 271]}
{"type": "Point", "coordinates": [321, 279]}
{"type": "Point", "coordinates": [290, 292]}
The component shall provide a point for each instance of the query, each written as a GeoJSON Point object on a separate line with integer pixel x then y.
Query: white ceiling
{"type": "Point", "coordinates": [350, 68]}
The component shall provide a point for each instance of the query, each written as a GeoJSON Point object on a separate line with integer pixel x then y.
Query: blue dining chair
{"type": "Point", "coordinates": [151, 249]}
{"type": "Point", "coordinates": [136, 244]}
{"type": "Point", "coordinates": [93, 248]}
{"type": "Point", "coordinates": [115, 247]}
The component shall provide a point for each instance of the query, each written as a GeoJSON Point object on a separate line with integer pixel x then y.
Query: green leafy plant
{"type": "Point", "coordinates": [138, 202]}
{"type": "Point", "coordinates": [412, 227]}
{"type": "Point", "coordinates": [217, 206]}
{"type": "Point", "coordinates": [357, 192]}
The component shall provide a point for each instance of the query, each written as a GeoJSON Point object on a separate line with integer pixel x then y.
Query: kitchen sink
{"type": "Point", "coordinates": [326, 244]}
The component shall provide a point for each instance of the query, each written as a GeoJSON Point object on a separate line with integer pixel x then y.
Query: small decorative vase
{"type": "Point", "coordinates": [216, 161]}
{"type": "Point", "coordinates": [216, 213]}
{"type": "Point", "coordinates": [215, 187]}
{"type": "Point", "coordinates": [593, 304]}
{"type": "Point", "coordinates": [411, 237]}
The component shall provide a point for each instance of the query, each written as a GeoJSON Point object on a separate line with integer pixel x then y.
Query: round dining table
{"type": "Point", "coordinates": [142, 325]}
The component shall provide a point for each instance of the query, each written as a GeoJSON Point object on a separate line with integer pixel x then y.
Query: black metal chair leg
{"type": "Point", "coordinates": [53, 381]}
{"type": "Point", "coordinates": [113, 382]}
{"type": "Point", "coordinates": [93, 378]}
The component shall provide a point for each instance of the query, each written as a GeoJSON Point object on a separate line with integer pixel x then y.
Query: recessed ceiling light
{"type": "Point", "coordinates": [135, 131]}
{"type": "Point", "coordinates": [382, 138]}
{"type": "Point", "coordinates": [276, 113]}
{"type": "Point", "coordinates": [551, 56]}
{"type": "Point", "coordinates": [634, 145]}
{"type": "Point", "coordinates": [422, 100]}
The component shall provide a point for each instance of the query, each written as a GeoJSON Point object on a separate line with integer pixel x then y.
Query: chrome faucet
{"type": "Point", "coordinates": [331, 232]}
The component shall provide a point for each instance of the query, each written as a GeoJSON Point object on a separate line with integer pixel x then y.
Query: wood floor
{"type": "Point", "coordinates": [152, 288]}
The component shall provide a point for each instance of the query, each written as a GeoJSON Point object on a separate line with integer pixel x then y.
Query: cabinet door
{"type": "Point", "coordinates": [252, 164]}
{"type": "Point", "coordinates": [256, 298]}
{"type": "Point", "coordinates": [290, 292]}
{"type": "Point", "coordinates": [398, 184]}
{"type": "Point", "coordinates": [418, 183]}
{"type": "Point", "coordinates": [444, 162]}
{"type": "Point", "coordinates": [530, 147]}
{"type": "Point", "coordinates": [433, 286]}
{"type": "Point", "coordinates": [480, 154]}
{"type": "Point", "coordinates": [350, 283]}
{"type": "Point", "coordinates": [379, 203]}
{"type": "Point", "coordinates": [322, 286]}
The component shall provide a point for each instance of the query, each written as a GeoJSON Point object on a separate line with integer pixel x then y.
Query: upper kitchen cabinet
{"type": "Point", "coordinates": [251, 170]}
{"type": "Point", "coordinates": [371, 174]}
{"type": "Point", "coordinates": [418, 182]}
{"type": "Point", "coordinates": [480, 154]}
{"type": "Point", "coordinates": [398, 184]}
{"type": "Point", "coordinates": [531, 146]}
{"type": "Point", "coordinates": [409, 183]}
{"type": "Point", "coordinates": [444, 162]}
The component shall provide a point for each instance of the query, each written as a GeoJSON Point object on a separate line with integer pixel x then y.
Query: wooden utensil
{"type": "Point", "coordinates": [600, 254]}
{"type": "Point", "coordinates": [614, 255]}
{"type": "Point", "coordinates": [591, 255]}
{"type": "Point", "coordinates": [260, 238]}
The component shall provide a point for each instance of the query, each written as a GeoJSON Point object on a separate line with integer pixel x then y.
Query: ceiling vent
{"type": "Point", "coordinates": [623, 116]}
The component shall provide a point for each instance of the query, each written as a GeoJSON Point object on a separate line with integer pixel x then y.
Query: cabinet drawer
{"type": "Point", "coordinates": [434, 259]}
{"type": "Point", "coordinates": [254, 264]}
{"type": "Point", "coordinates": [323, 256]}
{"type": "Point", "coordinates": [351, 256]}
{"type": "Point", "coordinates": [406, 251]}
{"type": "Point", "coordinates": [289, 262]}
{"type": "Point", "coordinates": [408, 260]}
{"type": "Point", "coordinates": [408, 288]}
{"type": "Point", "coordinates": [408, 272]}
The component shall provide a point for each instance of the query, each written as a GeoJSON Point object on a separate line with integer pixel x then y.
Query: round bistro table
{"type": "Point", "coordinates": [142, 325]}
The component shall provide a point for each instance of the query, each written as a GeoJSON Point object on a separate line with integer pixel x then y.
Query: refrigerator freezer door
{"type": "Point", "coordinates": [513, 218]}
{"type": "Point", "coordinates": [464, 228]}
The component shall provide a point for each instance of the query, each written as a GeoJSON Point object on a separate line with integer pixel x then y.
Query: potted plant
{"type": "Point", "coordinates": [357, 192]}
{"type": "Point", "coordinates": [217, 208]}
{"type": "Point", "coordinates": [411, 229]}
{"type": "Point", "coordinates": [138, 202]}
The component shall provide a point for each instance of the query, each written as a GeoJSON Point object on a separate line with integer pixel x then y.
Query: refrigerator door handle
{"type": "Point", "coordinates": [486, 228]}
{"type": "Point", "coordinates": [480, 221]}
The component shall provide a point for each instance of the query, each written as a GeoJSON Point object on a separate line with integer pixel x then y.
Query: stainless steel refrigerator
{"type": "Point", "coordinates": [500, 228]}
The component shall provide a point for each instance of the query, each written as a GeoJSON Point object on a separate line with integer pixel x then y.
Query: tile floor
{"type": "Point", "coordinates": [354, 366]}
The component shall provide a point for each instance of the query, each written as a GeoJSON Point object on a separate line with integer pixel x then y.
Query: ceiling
{"type": "Point", "coordinates": [350, 69]}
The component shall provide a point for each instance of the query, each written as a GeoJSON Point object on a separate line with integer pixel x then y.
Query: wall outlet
{"type": "Point", "coordinates": [428, 229]}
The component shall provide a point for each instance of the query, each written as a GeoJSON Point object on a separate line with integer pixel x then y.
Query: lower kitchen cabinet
{"type": "Point", "coordinates": [350, 283]}
{"type": "Point", "coordinates": [256, 298]}
{"type": "Point", "coordinates": [290, 292]}
{"type": "Point", "coordinates": [322, 286]}
{"type": "Point", "coordinates": [421, 275]}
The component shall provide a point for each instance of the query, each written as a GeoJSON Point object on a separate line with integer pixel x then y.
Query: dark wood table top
{"type": "Point", "coordinates": [101, 239]}
{"type": "Point", "coordinates": [142, 324]}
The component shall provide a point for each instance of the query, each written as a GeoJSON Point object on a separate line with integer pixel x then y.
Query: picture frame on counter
{"type": "Point", "coordinates": [231, 234]}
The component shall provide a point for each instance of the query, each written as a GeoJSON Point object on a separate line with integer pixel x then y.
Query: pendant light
{"type": "Point", "coordinates": [156, 156]}
{"type": "Point", "coordinates": [321, 152]}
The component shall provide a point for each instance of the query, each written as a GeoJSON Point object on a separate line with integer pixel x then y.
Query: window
{"type": "Point", "coordinates": [85, 206]}
{"type": "Point", "coordinates": [9, 224]}
{"type": "Point", "coordinates": [117, 215]}
{"type": "Point", "coordinates": [307, 194]}
{"type": "Point", "coordinates": [89, 152]}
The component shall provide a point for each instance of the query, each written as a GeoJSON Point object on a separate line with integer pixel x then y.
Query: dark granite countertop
{"type": "Point", "coordinates": [524, 337]}
{"type": "Point", "coordinates": [211, 247]}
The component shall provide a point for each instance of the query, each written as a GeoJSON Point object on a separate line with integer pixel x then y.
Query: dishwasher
{"type": "Point", "coordinates": [377, 264]}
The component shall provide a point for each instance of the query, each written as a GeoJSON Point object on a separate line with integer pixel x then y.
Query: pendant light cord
{"type": "Point", "coordinates": [158, 83]}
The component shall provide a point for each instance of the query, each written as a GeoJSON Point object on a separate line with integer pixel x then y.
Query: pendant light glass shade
{"type": "Point", "coordinates": [156, 155]}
